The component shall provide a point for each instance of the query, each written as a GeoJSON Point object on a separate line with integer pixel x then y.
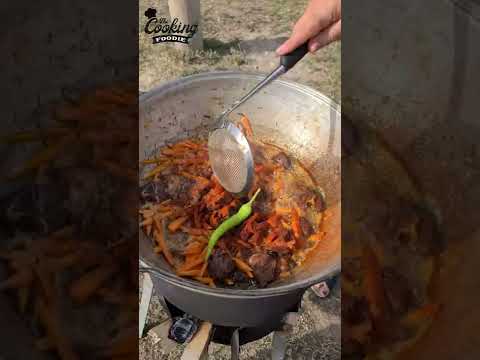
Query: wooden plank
{"type": "Point", "coordinates": [159, 335]}
{"type": "Point", "coordinates": [197, 348]}
{"type": "Point", "coordinates": [147, 290]}
{"type": "Point", "coordinates": [188, 12]}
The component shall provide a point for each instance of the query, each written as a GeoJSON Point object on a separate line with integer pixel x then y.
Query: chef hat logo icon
{"type": "Point", "coordinates": [150, 13]}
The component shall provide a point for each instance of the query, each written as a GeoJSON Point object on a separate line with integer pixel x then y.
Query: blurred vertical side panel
{"type": "Point", "coordinates": [410, 179]}
{"type": "Point", "coordinates": [68, 180]}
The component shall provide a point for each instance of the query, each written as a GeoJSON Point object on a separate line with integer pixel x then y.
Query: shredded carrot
{"type": "Point", "coordinates": [270, 237]}
{"type": "Point", "coordinates": [196, 217]}
{"type": "Point", "coordinates": [148, 221]}
{"type": "Point", "coordinates": [244, 267]}
{"type": "Point", "coordinates": [175, 225]}
{"type": "Point", "coordinates": [273, 220]}
{"type": "Point", "coordinates": [152, 161]}
{"type": "Point", "coordinates": [243, 243]}
{"type": "Point", "coordinates": [297, 230]}
{"type": "Point", "coordinates": [373, 284]}
{"type": "Point", "coordinates": [224, 211]}
{"type": "Point", "coordinates": [192, 263]}
{"type": "Point", "coordinates": [201, 239]}
{"type": "Point", "coordinates": [148, 229]}
{"type": "Point", "coordinates": [188, 273]}
{"type": "Point", "coordinates": [193, 248]}
{"type": "Point", "coordinates": [247, 126]}
{"type": "Point", "coordinates": [204, 269]}
{"type": "Point", "coordinates": [425, 313]}
{"type": "Point", "coordinates": [199, 179]}
{"type": "Point", "coordinates": [283, 211]}
{"type": "Point", "coordinates": [157, 170]}
{"type": "Point", "coordinates": [160, 238]}
{"type": "Point", "coordinates": [205, 280]}
{"type": "Point", "coordinates": [195, 232]}
{"type": "Point", "coordinates": [146, 213]}
{"type": "Point", "coordinates": [278, 185]}
{"type": "Point", "coordinates": [254, 239]}
{"type": "Point", "coordinates": [173, 151]}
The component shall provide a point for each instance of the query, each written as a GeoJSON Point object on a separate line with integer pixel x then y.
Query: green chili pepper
{"type": "Point", "coordinates": [233, 221]}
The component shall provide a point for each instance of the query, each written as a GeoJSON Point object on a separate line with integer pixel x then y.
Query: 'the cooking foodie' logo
{"type": "Point", "coordinates": [168, 32]}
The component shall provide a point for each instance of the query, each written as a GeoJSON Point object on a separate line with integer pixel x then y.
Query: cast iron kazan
{"type": "Point", "coordinates": [295, 117]}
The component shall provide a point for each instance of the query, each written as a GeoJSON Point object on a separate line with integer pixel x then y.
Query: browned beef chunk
{"type": "Point", "coordinates": [308, 198]}
{"type": "Point", "coordinates": [407, 226]}
{"type": "Point", "coordinates": [282, 265]}
{"type": "Point", "coordinates": [263, 204]}
{"type": "Point", "coordinates": [307, 228]}
{"type": "Point", "coordinates": [239, 277]}
{"type": "Point", "coordinates": [398, 291]}
{"type": "Point", "coordinates": [220, 264]}
{"type": "Point", "coordinates": [153, 192]}
{"type": "Point", "coordinates": [282, 159]}
{"type": "Point", "coordinates": [258, 154]}
{"type": "Point", "coordinates": [264, 266]}
{"type": "Point", "coordinates": [178, 187]}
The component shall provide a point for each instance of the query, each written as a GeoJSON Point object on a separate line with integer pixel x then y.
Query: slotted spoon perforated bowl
{"type": "Point", "coordinates": [228, 149]}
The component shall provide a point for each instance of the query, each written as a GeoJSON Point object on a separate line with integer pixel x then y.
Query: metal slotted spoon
{"type": "Point", "coordinates": [229, 152]}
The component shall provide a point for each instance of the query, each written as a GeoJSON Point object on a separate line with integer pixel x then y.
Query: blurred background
{"type": "Point", "coordinates": [243, 35]}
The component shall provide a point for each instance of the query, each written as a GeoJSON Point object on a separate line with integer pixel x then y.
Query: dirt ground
{"type": "Point", "coordinates": [242, 35]}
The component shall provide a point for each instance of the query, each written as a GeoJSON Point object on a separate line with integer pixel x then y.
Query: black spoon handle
{"type": "Point", "coordinates": [289, 60]}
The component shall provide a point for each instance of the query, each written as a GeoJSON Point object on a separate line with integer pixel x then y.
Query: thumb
{"type": "Point", "coordinates": [303, 30]}
{"type": "Point", "coordinates": [291, 44]}
{"type": "Point", "coordinates": [327, 36]}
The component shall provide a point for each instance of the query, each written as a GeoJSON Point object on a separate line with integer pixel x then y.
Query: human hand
{"type": "Point", "coordinates": [320, 24]}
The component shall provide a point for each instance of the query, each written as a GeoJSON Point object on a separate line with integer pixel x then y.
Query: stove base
{"type": "Point", "coordinates": [223, 334]}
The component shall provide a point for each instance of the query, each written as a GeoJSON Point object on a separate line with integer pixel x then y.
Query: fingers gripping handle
{"type": "Point", "coordinates": [289, 60]}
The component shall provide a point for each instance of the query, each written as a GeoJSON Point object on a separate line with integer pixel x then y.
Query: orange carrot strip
{"type": "Point", "coordinates": [259, 168]}
{"type": "Point", "coordinates": [192, 263]}
{"type": "Point", "coordinates": [176, 224]}
{"type": "Point", "coordinates": [194, 248]}
{"type": "Point", "coordinates": [247, 126]}
{"type": "Point", "coordinates": [188, 273]}
{"type": "Point", "coordinates": [196, 217]}
{"type": "Point", "coordinates": [297, 230]}
{"type": "Point", "coordinates": [270, 237]}
{"type": "Point", "coordinates": [283, 211]}
{"type": "Point", "coordinates": [244, 267]}
{"type": "Point", "coordinates": [84, 287]}
{"type": "Point", "coordinates": [199, 179]}
{"type": "Point", "coordinates": [273, 220]}
{"type": "Point", "coordinates": [146, 222]}
{"type": "Point", "coordinates": [205, 280]}
{"type": "Point", "coordinates": [160, 237]}
{"type": "Point", "coordinates": [195, 232]}
{"type": "Point", "coordinates": [425, 313]}
{"type": "Point", "coordinates": [373, 284]}
{"type": "Point", "coordinates": [204, 269]}
{"type": "Point", "coordinates": [243, 243]}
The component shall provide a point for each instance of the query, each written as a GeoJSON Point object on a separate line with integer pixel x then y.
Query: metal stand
{"type": "Point", "coordinates": [198, 349]}
{"type": "Point", "coordinates": [235, 345]}
{"type": "Point", "coordinates": [279, 343]}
